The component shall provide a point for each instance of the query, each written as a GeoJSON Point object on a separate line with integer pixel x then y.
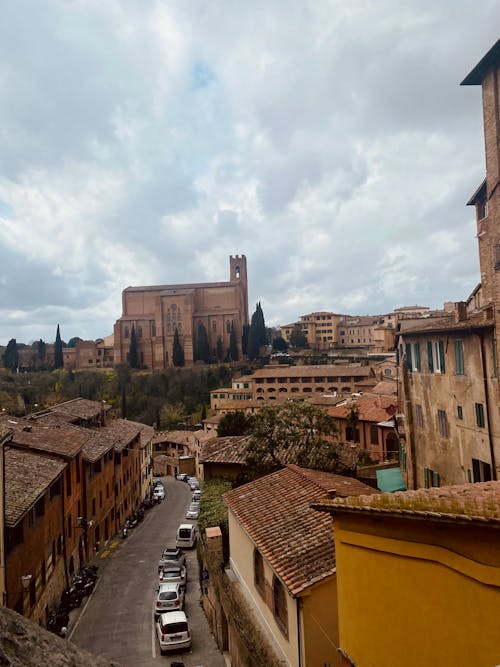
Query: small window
{"type": "Point", "coordinates": [374, 435]}
{"type": "Point", "coordinates": [481, 471]}
{"type": "Point", "coordinates": [460, 412]}
{"type": "Point", "coordinates": [258, 572]}
{"type": "Point", "coordinates": [419, 417]}
{"type": "Point", "coordinates": [126, 333]}
{"type": "Point", "coordinates": [431, 478]}
{"type": "Point", "coordinates": [459, 357]}
{"type": "Point", "coordinates": [280, 608]}
{"type": "Point", "coordinates": [480, 415]}
{"type": "Point", "coordinates": [442, 423]}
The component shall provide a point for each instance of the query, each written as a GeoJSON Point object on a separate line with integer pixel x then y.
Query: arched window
{"type": "Point", "coordinates": [237, 272]}
{"type": "Point", "coordinates": [153, 329]}
{"type": "Point", "coordinates": [139, 332]}
{"type": "Point", "coordinates": [228, 327]}
{"type": "Point", "coordinates": [280, 608]}
{"type": "Point", "coordinates": [126, 332]}
{"type": "Point", "coordinates": [374, 435]}
{"type": "Point", "coordinates": [352, 434]}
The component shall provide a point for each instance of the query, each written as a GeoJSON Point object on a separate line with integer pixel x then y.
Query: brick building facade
{"type": "Point", "coordinates": [156, 312]}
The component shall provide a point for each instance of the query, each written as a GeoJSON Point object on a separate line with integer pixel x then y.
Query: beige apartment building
{"type": "Point", "coordinates": [319, 328]}
{"type": "Point", "coordinates": [156, 312]}
{"type": "Point", "coordinates": [449, 379]}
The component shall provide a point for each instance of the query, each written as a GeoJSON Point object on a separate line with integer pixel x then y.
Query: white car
{"type": "Point", "coordinates": [173, 572]}
{"type": "Point", "coordinates": [193, 483]}
{"type": "Point", "coordinates": [172, 630]}
{"type": "Point", "coordinates": [170, 597]}
{"type": "Point", "coordinates": [159, 493]}
{"type": "Point", "coordinates": [193, 512]}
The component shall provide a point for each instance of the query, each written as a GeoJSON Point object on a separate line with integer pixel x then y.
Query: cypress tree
{"type": "Point", "coordinates": [233, 347]}
{"type": "Point", "coordinates": [204, 353]}
{"type": "Point", "coordinates": [244, 338]}
{"type": "Point", "coordinates": [220, 350]}
{"type": "Point", "coordinates": [58, 350]}
{"type": "Point", "coordinates": [177, 351]}
{"type": "Point", "coordinates": [257, 336]}
{"type": "Point", "coordinates": [41, 349]}
{"type": "Point", "coordinates": [203, 412]}
{"type": "Point", "coordinates": [132, 355]}
{"type": "Point", "coordinates": [10, 357]}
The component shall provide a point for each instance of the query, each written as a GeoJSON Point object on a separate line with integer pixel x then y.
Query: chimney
{"type": "Point", "coordinates": [460, 311]}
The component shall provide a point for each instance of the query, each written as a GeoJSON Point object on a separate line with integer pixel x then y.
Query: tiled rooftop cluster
{"type": "Point", "coordinates": [276, 512]}
{"type": "Point", "coordinates": [230, 449]}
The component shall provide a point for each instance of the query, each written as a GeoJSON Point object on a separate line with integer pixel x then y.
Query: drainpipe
{"type": "Point", "coordinates": [487, 415]}
{"type": "Point", "coordinates": [299, 642]}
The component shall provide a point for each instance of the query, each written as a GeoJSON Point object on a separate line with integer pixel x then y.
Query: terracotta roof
{"type": "Point", "coordinates": [100, 442]}
{"type": "Point", "coordinates": [27, 477]}
{"type": "Point", "coordinates": [177, 437]}
{"type": "Point", "coordinates": [230, 449]}
{"type": "Point", "coordinates": [81, 408]}
{"type": "Point", "coordinates": [331, 370]}
{"type": "Point", "coordinates": [372, 408]}
{"type": "Point", "coordinates": [147, 432]}
{"type": "Point", "coordinates": [4, 432]}
{"type": "Point", "coordinates": [65, 440]}
{"type": "Point", "coordinates": [469, 503]}
{"type": "Point", "coordinates": [276, 513]}
{"type": "Point", "coordinates": [479, 320]}
{"type": "Point", "coordinates": [124, 432]}
{"type": "Point", "coordinates": [385, 388]}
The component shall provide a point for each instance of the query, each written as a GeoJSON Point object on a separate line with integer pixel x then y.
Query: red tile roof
{"type": "Point", "coordinates": [65, 440]}
{"type": "Point", "coordinates": [80, 408]}
{"type": "Point", "coordinates": [27, 476]}
{"type": "Point", "coordinates": [470, 503]}
{"type": "Point", "coordinates": [276, 513]}
{"type": "Point", "coordinates": [372, 408]}
{"type": "Point", "coordinates": [230, 449]}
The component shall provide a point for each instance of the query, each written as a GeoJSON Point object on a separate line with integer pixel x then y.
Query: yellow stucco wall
{"type": "Point", "coordinates": [406, 601]}
{"type": "Point", "coordinates": [320, 625]}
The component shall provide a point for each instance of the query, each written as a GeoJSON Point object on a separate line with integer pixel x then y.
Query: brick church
{"type": "Point", "coordinates": [157, 311]}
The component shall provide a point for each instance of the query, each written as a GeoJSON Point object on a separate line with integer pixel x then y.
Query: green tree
{"type": "Point", "coordinates": [58, 350]}
{"type": "Point", "coordinates": [219, 350]}
{"type": "Point", "coordinates": [124, 402]}
{"type": "Point", "coordinates": [203, 414]}
{"type": "Point", "coordinates": [280, 344]}
{"type": "Point", "coordinates": [233, 346]}
{"type": "Point", "coordinates": [132, 354]}
{"type": "Point", "coordinates": [171, 414]}
{"type": "Point", "coordinates": [41, 350]}
{"type": "Point", "coordinates": [10, 357]}
{"type": "Point", "coordinates": [257, 336]}
{"type": "Point", "coordinates": [297, 433]}
{"type": "Point", "coordinates": [234, 423]}
{"type": "Point", "coordinates": [297, 338]}
{"type": "Point", "coordinates": [177, 351]}
{"type": "Point", "coordinates": [203, 345]}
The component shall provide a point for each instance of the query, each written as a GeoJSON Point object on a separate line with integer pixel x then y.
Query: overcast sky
{"type": "Point", "coordinates": [142, 143]}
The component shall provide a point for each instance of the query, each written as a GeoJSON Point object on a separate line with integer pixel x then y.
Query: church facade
{"type": "Point", "coordinates": [157, 311]}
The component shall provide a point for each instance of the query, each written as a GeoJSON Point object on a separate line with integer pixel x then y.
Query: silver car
{"type": "Point", "coordinates": [173, 572]}
{"type": "Point", "coordinates": [169, 597]}
{"type": "Point", "coordinates": [193, 512]}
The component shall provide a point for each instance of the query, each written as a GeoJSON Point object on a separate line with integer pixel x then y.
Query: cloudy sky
{"type": "Point", "coordinates": [142, 142]}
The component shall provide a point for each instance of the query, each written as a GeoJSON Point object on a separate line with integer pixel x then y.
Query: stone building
{"type": "Point", "coordinates": [156, 312]}
{"type": "Point", "coordinates": [450, 368]}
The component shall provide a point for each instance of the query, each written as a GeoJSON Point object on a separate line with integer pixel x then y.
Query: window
{"type": "Point", "coordinates": [494, 355]}
{"type": "Point", "coordinates": [409, 360]}
{"type": "Point", "coordinates": [153, 329]}
{"type": "Point", "coordinates": [416, 356]}
{"type": "Point", "coordinates": [126, 334]}
{"type": "Point", "coordinates": [481, 471]}
{"type": "Point", "coordinates": [460, 412]}
{"type": "Point", "coordinates": [280, 609]}
{"type": "Point", "coordinates": [419, 417]}
{"type": "Point", "coordinates": [442, 423]}
{"type": "Point", "coordinates": [374, 435]}
{"type": "Point", "coordinates": [459, 357]}
{"type": "Point", "coordinates": [480, 415]}
{"type": "Point", "coordinates": [435, 356]}
{"type": "Point", "coordinates": [352, 434]}
{"type": "Point", "coordinates": [431, 478]}
{"type": "Point", "coordinates": [482, 209]}
{"type": "Point", "coordinates": [258, 572]}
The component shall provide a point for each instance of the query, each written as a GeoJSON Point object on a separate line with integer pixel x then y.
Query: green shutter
{"type": "Point", "coordinates": [435, 478]}
{"type": "Point", "coordinates": [441, 355]}
{"type": "Point", "coordinates": [429, 356]}
{"type": "Point", "coordinates": [416, 355]}
{"type": "Point", "coordinates": [409, 364]}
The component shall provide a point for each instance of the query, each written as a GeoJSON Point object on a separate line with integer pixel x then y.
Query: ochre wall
{"type": "Point", "coordinates": [320, 633]}
{"type": "Point", "coordinates": [404, 599]}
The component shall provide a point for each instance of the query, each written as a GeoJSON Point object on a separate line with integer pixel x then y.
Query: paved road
{"type": "Point", "coordinates": [117, 621]}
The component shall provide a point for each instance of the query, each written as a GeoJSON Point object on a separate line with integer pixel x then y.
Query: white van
{"type": "Point", "coordinates": [186, 535]}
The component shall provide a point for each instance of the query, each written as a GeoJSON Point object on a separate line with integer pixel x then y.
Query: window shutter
{"type": "Point", "coordinates": [435, 478]}
{"type": "Point", "coordinates": [429, 356]}
{"type": "Point", "coordinates": [426, 478]}
{"type": "Point", "coordinates": [441, 355]}
{"type": "Point", "coordinates": [409, 362]}
{"type": "Point", "coordinates": [416, 354]}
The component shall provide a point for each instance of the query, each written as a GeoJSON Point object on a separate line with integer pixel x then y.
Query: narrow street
{"type": "Point", "coordinates": [117, 621]}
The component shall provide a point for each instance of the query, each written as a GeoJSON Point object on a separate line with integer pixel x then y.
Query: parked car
{"type": "Point", "coordinates": [186, 535]}
{"type": "Point", "coordinates": [172, 571]}
{"type": "Point", "coordinates": [193, 512]}
{"type": "Point", "coordinates": [193, 483]}
{"type": "Point", "coordinates": [169, 597]}
{"type": "Point", "coordinates": [183, 477]}
{"type": "Point", "coordinates": [159, 493]}
{"type": "Point", "coordinates": [172, 630]}
{"type": "Point", "coordinates": [197, 494]}
{"type": "Point", "coordinates": [157, 483]}
{"type": "Point", "coordinates": [172, 554]}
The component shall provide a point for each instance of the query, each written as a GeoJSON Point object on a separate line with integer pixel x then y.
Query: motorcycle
{"type": "Point", "coordinates": [124, 532]}
{"type": "Point", "coordinates": [71, 598]}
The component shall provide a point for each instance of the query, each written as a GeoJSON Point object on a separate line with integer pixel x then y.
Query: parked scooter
{"type": "Point", "coordinates": [58, 621]}
{"type": "Point", "coordinates": [71, 598]}
{"type": "Point", "coordinates": [124, 532]}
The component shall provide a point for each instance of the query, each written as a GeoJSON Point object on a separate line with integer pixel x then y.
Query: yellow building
{"type": "Point", "coordinates": [418, 577]}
